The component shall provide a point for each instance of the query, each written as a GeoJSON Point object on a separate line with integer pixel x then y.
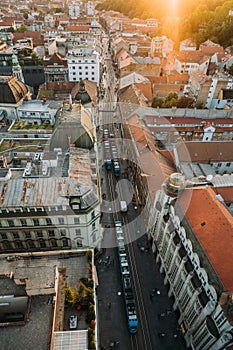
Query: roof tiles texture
{"type": "Point", "coordinates": [205, 151]}
{"type": "Point", "coordinates": [212, 224]}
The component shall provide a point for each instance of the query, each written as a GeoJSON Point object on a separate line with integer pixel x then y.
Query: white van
{"type": "Point", "coordinates": [123, 206]}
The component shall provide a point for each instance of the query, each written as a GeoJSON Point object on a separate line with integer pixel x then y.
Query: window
{"type": "Point", "coordinates": [61, 221]}
{"type": "Point", "coordinates": [4, 235]}
{"type": "Point", "coordinates": [19, 244]}
{"type": "Point", "coordinates": [92, 215]}
{"type": "Point", "coordinates": [15, 235]}
{"type": "Point", "coordinates": [63, 232]}
{"type": "Point", "coordinates": [53, 243]}
{"type": "Point", "coordinates": [23, 222]}
{"type": "Point", "coordinates": [39, 234]}
{"type": "Point", "coordinates": [79, 243]}
{"type": "Point", "coordinates": [51, 233]}
{"type": "Point", "coordinates": [42, 244]}
{"type": "Point", "coordinates": [31, 244]}
{"type": "Point", "coordinates": [11, 223]}
{"type": "Point", "coordinates": [76, 221]}
{"type": "Point", "coordinates": [48, 221]}
{"type": "Point", "coordinates": [27, 234]}
{"type": "Point", "coordinates": [65, 243]}
{"type": "Point", "coordinates": [78, 232]}
{"type": "Point", "coordinates": [93, 226]}
{"type": "Point", "coordinates": [36, 222]}
{"type": "Point", "coordinates": [228, 164]}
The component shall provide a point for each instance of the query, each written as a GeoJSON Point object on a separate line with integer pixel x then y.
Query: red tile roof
{"type": "Point", "coordinates": [145, 89]}
{"type": "Point", "coordinates": [226, 193]}
{"type": "Point", "coordinates": [215, 151]}
{"type": "Point", "coordinates": [185, 120]}
{"type": "Point", "coordinates": [154, 165]}
{"type": "Point", "coordinates": [79, 28]}
{"type": "Point", "coordinates": [212, 224]}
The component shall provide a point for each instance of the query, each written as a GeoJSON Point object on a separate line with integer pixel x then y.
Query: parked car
{"type": "Point", "coordinates": [73, 321]}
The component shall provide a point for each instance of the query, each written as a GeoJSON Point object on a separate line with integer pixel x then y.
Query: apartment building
{"type": "Point", "coordinates": [54, 204]}
{"type": "Point", "coordinates": [83, 65]}
{"type": "Point", "coordinates": [187, 238]}
{"type": "Point", "coordinates": [55, 68]}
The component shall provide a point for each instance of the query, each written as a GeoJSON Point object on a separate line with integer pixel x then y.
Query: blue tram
{"type": "Point", "coordinates": [107, 155]}
{"type": "Point", "coordinates": [116, 168]}
{"type": "Point", "coordinates": [129, 301]}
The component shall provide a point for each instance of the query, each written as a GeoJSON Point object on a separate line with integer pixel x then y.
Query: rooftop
{"type": "Point", "coordinates": [39, 272]}
{"type": "Point", "coordinates": [212, 224]}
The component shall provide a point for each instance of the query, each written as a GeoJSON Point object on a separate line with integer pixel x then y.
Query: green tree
{"type": "Point", "coordinates": [170, 100]}
{"type": "Point", "coordinates": [70, 297]}
{"type": "Point", "coordinates": [230, 70]}
{"type": "Point", "coordinates": [199, 105]}
{"type": "Point", "coordinates": [157, 102]}
{"type": "Point", "coordinates": [21, 29]}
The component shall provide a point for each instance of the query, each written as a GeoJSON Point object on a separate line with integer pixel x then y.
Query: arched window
{"type": "Point", "coordinates": [65, 242]}
{"type": "Point", "coordinates": [53, 243]}
{"type": "Point", "coordinates": [30, 244]}
{"type": "Point", "coordinates": [42, 243]}
{"type": "Point", "coordinates": [19, 245]}
{"type": "Point", "coordinates": [6, 245]}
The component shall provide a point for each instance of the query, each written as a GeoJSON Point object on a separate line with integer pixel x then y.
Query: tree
{"type": "Point", "coordinates": [21, 29]}
{"type": "Point", "coordinates": [70, 296]}
{"type": "Point", "coordinates": [157, 102]}
{"type": "Point", "coordinates": [184, 102]}
{"type": "Point", "coordinates": [25, 15]}
{"type": "Point", "coordinates": [199, 105]}
{"type": "Point", "coordinates": [170, 100]}
{"type": "Point", "coordinates": [230, 70]}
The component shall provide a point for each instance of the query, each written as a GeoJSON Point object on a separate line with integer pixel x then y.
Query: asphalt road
{"type": "Point", "coordinates": [161, 319]}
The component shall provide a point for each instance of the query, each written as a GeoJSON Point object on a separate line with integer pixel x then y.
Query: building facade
{"type": "Point", "coordinates": [52, 205]}
{"type": "Point", "coordinates": [201, 295]}
{"type": "Point", "coordinates": [83, 67]}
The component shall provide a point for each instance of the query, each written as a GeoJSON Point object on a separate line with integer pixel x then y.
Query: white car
{"type": "Point", "coordinates": [73, 321]}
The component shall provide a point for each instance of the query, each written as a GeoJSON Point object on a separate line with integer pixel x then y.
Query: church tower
{"type": "Point", "coordinates": [16, 69]}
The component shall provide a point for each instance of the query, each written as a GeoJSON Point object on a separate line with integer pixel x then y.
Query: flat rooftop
{"type": "Point", "coordinates": [39, 271]}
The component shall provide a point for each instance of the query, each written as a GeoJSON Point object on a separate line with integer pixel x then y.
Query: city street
{"type": "Point", "coordinates": [157, 321]}
{"type": "Point", "coordinates": [162, 320]}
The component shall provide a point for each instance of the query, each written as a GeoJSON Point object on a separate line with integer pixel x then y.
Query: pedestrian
{"type": "Point", "coordinates": [161, 335]}
{"type": "Point", "coordinates": [109, 305]}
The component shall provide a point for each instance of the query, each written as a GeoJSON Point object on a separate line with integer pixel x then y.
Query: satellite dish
{"type": "Point", "coordinates": [209, 177]}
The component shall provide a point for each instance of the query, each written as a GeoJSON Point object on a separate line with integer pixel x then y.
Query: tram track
{"type": "Point", "coordinates": [142, 339]}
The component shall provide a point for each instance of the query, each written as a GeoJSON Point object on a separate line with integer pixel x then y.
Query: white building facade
{"type": "Point", "coordinates": [202, 320]}
{"type": "Point", "coordinates": [82, 66]}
